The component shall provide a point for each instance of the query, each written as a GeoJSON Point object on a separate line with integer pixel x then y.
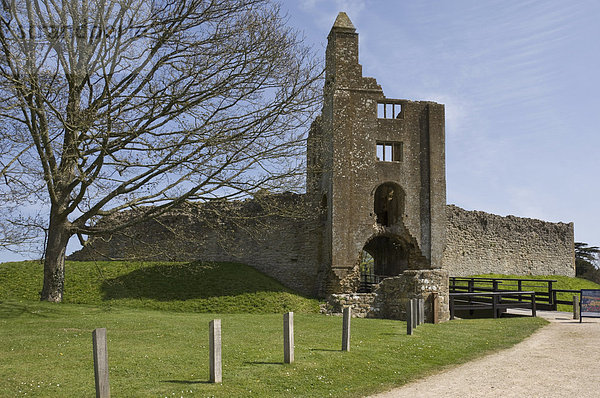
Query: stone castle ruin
{"type": "Point", "coordinates": [373, 228]}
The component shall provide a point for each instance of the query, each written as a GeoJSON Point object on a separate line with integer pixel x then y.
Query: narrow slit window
{"type": "Point", "coordinates": [389, 151]}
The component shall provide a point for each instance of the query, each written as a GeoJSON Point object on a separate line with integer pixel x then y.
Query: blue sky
{"type": "Point", "coordinates": [520, 83]}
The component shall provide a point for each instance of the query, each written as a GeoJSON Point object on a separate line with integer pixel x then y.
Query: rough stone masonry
{"type": "Point", "coordinates": [374, 209]}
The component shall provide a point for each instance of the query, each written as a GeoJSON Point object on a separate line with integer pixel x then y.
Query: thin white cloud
{"type": "Point", "coordinates": [308, 5]}
{"type": "Point", "coordinates": [324, 12]}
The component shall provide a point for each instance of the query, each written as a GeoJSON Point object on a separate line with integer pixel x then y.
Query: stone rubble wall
{"type": "Point", "coordinates": [364, 305]}
{"type": "Point", "coordinates": [277, 237]}
{"type": "Point", "coordinates": [285, 242]}
{"type": "Point", "coordinates": [480, 243]}
{"type": "Point", "coordinates": [391, 296]}
{"type": "Point", "coordinates": [414, 284]}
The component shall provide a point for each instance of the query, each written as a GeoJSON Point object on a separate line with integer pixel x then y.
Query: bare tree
{"type": "Point", "coordinates": [113, 105]}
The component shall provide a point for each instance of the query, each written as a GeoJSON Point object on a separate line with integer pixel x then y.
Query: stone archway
{"type": "Point", "coordinates": [382, 257]}
{"type": "Point", "coordinates": [389, 254]}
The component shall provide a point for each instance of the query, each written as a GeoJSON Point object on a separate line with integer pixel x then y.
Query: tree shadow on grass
{"type": "Point", "coordinates": [167, 282]}
{"type": "Point", "coordinates": [324, 349]}
{"type": "Point", "coordinates": [14, 310]}
{"type": "Point", "coordinates": [186, 381]}
{"type": "Point", "coordinates": [263, 363]}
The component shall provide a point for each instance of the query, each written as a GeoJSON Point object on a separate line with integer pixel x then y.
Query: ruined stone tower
{"type": "Point", "coordinates": [376, 167]}
{"type": "Point", "coordinates": [375, 210]}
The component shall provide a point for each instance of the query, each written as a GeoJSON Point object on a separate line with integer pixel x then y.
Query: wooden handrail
{"type": "Point", "coordinates": [496, 303]}
{"type": "Point", "coordinates": [503, 279]}
{"type": "Point", "coordinates": [461, 283]}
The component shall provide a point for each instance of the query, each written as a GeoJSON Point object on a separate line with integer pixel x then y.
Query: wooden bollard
{"type": "Point", "coordinates": [347, 313]}
{"type": "Point", "coordinates": [216, 365]}
{"type": "Point", "coordinates": [415, 312]}
{"type": "Point", "coordinates": [288, 337]}
{"type": "Point", "coordinates": [409, 317]}
{"type": "Point", "coordinates": [100, 363]}
{"type": "Point", "coordinates": [421, 311]}
{"type": "Point", "coordinates": [435, 307]}
{"type": "Point", "coordinates": [575, 307]}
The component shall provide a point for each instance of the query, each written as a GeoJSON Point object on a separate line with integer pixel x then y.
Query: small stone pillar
{"type": "Point", "coordinates": [435, 307]}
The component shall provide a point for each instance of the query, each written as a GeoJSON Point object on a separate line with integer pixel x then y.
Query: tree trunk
{"type": "Point", "coordinates": [54, 258]}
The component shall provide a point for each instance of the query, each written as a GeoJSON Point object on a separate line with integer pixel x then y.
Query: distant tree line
{"type": "Point", "coordinates": [587, 261]}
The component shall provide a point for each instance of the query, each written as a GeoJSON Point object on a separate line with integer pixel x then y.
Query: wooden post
{"type": "Point", "coordinates": [415, 312]}
{"type": "Point", "coordinates": [436, 307]}
{"type": "Point", "coordinates": [100, 363]}
{"type": "Point", "coordinates": [216, 366]}
{"type": "Point", "coordinates": [409, 317]}
{"type": "Point", "coordinates": [575, 307]}
{"type": "Point", "coordinates": [346, 329]}
{"type": "Point", "coordinates": [421, 311]}
{"type": "Point", "coordinates": [288, 337]}
{"type": "Point", "coordinates": [495, 285]}
{"type": "Point", "coordinates": [494, 302]}
{"type": "Point", "coordinates": [551, 296]}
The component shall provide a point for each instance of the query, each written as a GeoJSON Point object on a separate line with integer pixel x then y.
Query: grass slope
{"type": "Point", "coordinates": [191, 287]}
{"type": "Point", "coordinates": [46, 351]}
{"type": "Point", "coordinates": [563, 282]}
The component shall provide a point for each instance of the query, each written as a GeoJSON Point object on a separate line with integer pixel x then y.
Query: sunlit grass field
{"type": "Point", "coordinates": [157, 316]}
{"type": "Point", "coordinates": [46, 351]}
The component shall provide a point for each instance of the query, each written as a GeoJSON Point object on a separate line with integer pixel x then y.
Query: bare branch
{"type": "Point", "coordinates": [113, 105]}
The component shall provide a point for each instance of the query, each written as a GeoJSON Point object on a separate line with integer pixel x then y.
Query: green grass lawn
{"type": "Point", "coordinates": [188, 287]}
{"type": "Point", "coordinates": [157, 317]}
{"type": "Point", "coordinates": [46, 351]}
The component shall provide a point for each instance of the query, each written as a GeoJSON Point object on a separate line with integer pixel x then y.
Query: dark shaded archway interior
{"type": "Point", "coordinates": [388, 204]}
{"type": "Point", "coordinates": [390, 258]}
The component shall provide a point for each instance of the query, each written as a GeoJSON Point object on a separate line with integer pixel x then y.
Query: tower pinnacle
{"type": "Point", "coordinates": [343, 22]}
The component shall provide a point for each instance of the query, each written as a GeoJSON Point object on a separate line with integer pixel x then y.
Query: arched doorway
{"type": "Point", "coordinates": [388, 204]}
{"type": "Point", "coordinates": [382, 257]}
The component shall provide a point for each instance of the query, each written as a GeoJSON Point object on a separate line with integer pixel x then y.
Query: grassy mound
{"type": "Point", "coordinates": [563, 282]}
{"type": "Point", "coordinates": [192, 287]}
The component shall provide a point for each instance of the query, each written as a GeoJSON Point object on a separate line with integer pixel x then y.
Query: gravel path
{"type": "Point", "coordinates": [560, 360]}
